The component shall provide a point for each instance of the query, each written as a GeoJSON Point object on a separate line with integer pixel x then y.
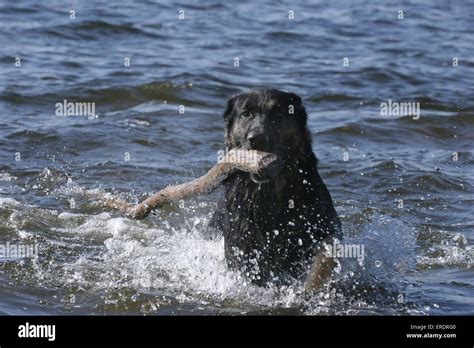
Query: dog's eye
{"type": "Point", "coordinates": [246, 114]}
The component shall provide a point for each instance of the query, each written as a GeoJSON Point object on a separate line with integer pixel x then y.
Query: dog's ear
{"type": "Point", "coordinates": [230, 108]}
{"type": "Point", "coordinates": [299, 110]}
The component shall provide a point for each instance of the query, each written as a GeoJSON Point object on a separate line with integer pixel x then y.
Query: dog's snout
{"type": "Point", "coordinates": [257, 140]}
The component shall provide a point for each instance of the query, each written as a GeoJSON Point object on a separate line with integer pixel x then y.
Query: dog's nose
{"type": "Point", "coordinates": [257, 141]}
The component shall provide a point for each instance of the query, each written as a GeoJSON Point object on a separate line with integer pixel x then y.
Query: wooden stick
{"type": "Point", "coordinates": [252, 161]}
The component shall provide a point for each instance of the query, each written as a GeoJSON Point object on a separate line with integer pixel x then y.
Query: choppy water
{"type": "Point", "coordinates": [419, 257]}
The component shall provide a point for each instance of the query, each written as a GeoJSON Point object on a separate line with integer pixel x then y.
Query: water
{"type": "Point", "coordinates": [419, 256]}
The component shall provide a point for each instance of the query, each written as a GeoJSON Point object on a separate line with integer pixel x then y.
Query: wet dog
{"type": "Point", "coordinates": [274, 227]}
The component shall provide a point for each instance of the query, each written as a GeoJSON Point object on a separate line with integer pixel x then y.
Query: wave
{"type": "Point", "coordinates": [431, 127]}
{"type": "Point", "coordinates": [96, 29]}
{"type": "Point", "coordinates": [451, 250]}
{"type": "Point", "coordinates": [35, 136]}
{"type": "Point", "coordinates": [115, 96]}
{"type": "Point", "coordinates": [285, 36]}
{"type": "Point", "coordinates": [333, 97]}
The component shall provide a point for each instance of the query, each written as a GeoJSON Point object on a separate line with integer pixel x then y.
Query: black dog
{"type": "Point", "coordinates": [273, 227]}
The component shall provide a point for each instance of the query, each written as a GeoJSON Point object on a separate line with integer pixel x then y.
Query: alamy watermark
{"type": "Point", "coordinates": [11, 250]}
{"type": "Point", "coordinates": [67, 108]}
{"type": "Point", "coordinates": [28, 330]}
{"type": "Point", "coordinates": [394, 108]}
{"type": "Point", "coordinates": [338, 250]}
{"type": "Point", "coordinates": [236, 156]}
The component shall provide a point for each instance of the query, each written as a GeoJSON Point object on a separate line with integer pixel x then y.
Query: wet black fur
{"type": "Point", "coordinates": [272, 229]}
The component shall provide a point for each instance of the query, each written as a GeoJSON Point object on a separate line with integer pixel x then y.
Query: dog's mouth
{"type": "Point", "coordinates": [258, 178]}
{"type": "Point", "coordinates": [268, 171]}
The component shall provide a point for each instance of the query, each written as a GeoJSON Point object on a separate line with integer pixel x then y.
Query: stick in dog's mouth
{"type": "Point", "coordinates": [270, 167]}
{"type": "Point", "coordinates": [262, 164]}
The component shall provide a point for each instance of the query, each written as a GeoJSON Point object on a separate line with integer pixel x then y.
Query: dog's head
{"type": "Point", "coordinates": [268, 120]}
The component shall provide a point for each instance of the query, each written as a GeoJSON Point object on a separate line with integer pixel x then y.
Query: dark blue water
{"type": "Point", "coordinates": [419, 253]}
